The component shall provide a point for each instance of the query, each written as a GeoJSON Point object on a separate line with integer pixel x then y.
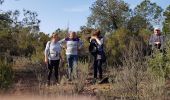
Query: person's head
{"type": "Point", "coordinates": [72, 35]}
{"type": "Point", "coordinates": [54, 36]}
{"type": "Point", "coordinates": [96, 33]}
{"type": "Point", "coordinates": [157, 31]}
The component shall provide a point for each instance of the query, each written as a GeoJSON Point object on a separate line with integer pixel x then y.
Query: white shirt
{"type": "Point", "coordinates": [72, 45]}
{"type": "Point", "coordinates": [53, 50]}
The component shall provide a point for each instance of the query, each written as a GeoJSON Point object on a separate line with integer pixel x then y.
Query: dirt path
{"type": "Point", "coordinates": [31, 97]}
{"type": "Point", "coordinates": [26, 82]}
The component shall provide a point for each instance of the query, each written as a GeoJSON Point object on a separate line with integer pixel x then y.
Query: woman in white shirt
{"type": "Point", "coordinates": [52, 56]}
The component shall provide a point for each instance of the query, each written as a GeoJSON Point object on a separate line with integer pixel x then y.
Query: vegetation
{"type": "Point", "coordinates": [132, 72]}
{"type": "Point", "coordinates": [6, 75]}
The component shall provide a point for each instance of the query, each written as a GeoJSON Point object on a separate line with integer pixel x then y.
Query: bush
{"type": "Point", "coordinates": [6, 75]}
{"type": "Point", "coordinates": [136, 79]}
{"type": "Point", "coordinates": [160, 63]}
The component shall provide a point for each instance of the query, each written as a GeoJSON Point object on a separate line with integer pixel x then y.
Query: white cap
{"type": "Point", "coordinates": [157, 28]}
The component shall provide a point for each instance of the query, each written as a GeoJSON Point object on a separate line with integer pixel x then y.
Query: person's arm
{"type": "Point", "coordinates": [62, 41]}
{"type": "Point", "coordinates": [151, 40]}
{"type": "Point", "coordinates": [162, 42]}
{"type": "Point", "coordinates": [46, 52]}
{"type": "Point", "coordinates": [80, 44]}
{"type": "Point", "coordinates": [99, 41]}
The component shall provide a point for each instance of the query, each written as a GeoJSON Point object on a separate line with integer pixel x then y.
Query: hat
{"type": "Point", "coordinates": [157, 28]}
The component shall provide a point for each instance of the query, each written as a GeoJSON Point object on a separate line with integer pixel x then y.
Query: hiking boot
{"type": "Point", "coordinates": [48, 83]}
{"type": "Point", "coordinates": [69, 80]}
{"type": "Point", "coordinates": [94, 81]}
{"type": "Point", "coordinates": [57, 83]}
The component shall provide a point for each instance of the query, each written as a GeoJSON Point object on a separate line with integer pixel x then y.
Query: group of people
{"type": "Point", "coordinates": [72, 44]}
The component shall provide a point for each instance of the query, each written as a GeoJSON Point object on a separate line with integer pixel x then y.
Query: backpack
{"type": "Point", "coordinates": [93, 48]}
{"type": "Point", "coordinates": [49, 48]}
{"type": "Point", "coordinates": [103, 56]}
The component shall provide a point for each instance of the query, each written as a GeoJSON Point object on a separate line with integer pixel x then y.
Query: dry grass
{"type": "Point", "coordinates": [134, 80]}
{"type": "Point", "coordinates": [31, 97]}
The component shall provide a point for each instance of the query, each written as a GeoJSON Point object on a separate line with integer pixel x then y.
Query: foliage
{"type": "Point", "coordinates": [166, 24]}
{"type": "Point", "coordinates": [159, 63]}
{"type": "Point", "coordinates": [115, 44]}
{"type": "Point", "coordinates": [108, 15]}
{"type": "Point", "coordinates": [137, 23]}
{"type": "Point", "coordinates": [124, 46]}
{"type": "Point", "coordinates": [150, 11]}
{"type": "Point", "coordinates": [1, 1]}
{"type": "Point", "coordinates": [6, 75]}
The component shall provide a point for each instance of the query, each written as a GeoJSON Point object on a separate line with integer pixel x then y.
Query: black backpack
{"type": "Point", "coordinates": [93, 47]}
{"type": "Point", "coordinates": [94, 50]}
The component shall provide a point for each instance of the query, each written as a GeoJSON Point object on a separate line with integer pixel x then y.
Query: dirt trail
{"type": "Point", "coordinates": [26, 83]}
{"type": "Point", "coordinates": [30, 97]}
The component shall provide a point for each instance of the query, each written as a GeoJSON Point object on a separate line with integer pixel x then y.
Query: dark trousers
{"type": "Point", "coordinates": [97, 68]}
{"type": "Point", "coordinates": [53, 64]}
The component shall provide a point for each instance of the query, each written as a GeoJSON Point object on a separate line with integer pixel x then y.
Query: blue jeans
{"type": "Point", "coordinates": [72, 61]}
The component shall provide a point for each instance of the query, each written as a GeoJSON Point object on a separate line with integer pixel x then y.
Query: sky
{"type": "Point", "coordinates": [56, 14]}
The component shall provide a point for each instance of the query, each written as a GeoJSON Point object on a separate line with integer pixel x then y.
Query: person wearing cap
{"type": "Point", "coordinates": [73, 45]}
{"type": "Point", "coordinates": [53, 56]}
{"type": "Point", "coordinates": [157, 39]}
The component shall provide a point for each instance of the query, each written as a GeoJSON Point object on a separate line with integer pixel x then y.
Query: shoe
{"type": "Point", "coordinates": [94, 81]}
{"type": "Point", "coordinates": [69, 79]}
{"type": "Point", "coordinates": [48, 83]}
{"type": "Point", "coordinates": [57, 83]}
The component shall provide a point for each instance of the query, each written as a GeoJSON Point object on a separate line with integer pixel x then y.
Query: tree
{"type": "Point", "coordinates": [16, 36]}
{"type": "Point", "coordinates": [1, 1]}
{"type": "Point", "coordinates": [150, 11]}
{"type": "Point", "coordinates": [108, 15]}
{"type": "Point", "coordinates": [136, 23]}
{"type": "Point", "coordinates": [166, 24]}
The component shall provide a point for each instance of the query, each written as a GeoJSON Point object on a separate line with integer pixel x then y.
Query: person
{"type": "Point", "coordinates": [53, 56]}
{"type": "Point", "coordinates": [96, 49]}
{"type": "Point", "coordinates": [156, 40]}
{"type": "Point", "coordinates": [73, 45]}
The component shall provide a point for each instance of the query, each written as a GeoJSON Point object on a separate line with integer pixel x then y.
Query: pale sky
{"type": "Point", "coordinates": [58, 13]}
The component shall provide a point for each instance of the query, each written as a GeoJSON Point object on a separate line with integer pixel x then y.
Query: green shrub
{"type": "Point", "coordinates": [6, 75]}
{"type": "Point", "coordinates": [160, 62]}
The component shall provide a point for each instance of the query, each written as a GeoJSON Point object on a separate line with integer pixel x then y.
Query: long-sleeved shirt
{"type": "Point", "coordinates": [156, 38]}
{"type": "Point", "coordinates": [52, 50]}
{"type": "Point", "coordinates": [72, 45]}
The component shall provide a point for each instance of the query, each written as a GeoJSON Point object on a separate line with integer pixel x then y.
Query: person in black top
{"type": "Point", "coordinates": [96, 49]}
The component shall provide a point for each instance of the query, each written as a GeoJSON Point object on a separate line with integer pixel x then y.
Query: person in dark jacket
{"type": "Point", "coordinates": [96, 49]}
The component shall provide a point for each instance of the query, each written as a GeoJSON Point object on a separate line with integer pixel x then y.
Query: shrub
{"type": "Point", "coordinates": [160, 62]}
{"type": "Point", "coordinates": [6, 75]}
{"type": "Point", "coordinates": [136, 79]}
